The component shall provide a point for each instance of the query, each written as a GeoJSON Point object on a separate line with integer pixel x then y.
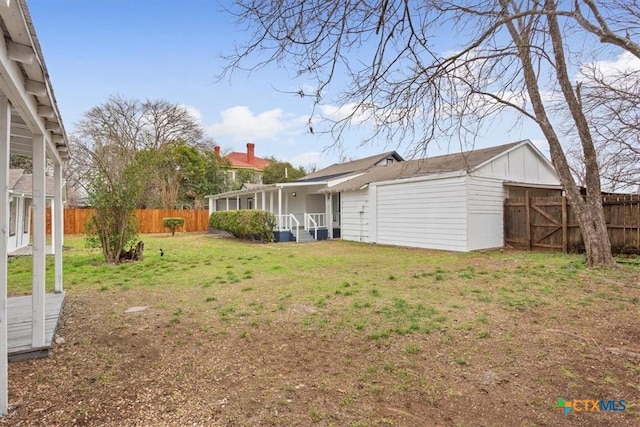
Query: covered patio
{"type": "Point", "coordinates": [31, 126]}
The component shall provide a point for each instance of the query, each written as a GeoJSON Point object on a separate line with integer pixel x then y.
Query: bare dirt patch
{"type": "Point", "coordinates": [262, 356]}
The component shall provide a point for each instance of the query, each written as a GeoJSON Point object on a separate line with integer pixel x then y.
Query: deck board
{"type": "Point", "coordinates": [19, 325]}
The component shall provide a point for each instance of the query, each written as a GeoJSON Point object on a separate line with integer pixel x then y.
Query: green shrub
{"type": "Point", "coordinates": [172, 223]}
{"type": "Point", "coordinates": [245, 224]}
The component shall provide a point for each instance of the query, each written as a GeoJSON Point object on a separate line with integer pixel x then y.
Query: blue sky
{"type": "Point", "coordinates": [170, 50]}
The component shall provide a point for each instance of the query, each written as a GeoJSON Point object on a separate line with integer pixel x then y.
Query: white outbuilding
{"type": "Point", "coordinates": [451, 202]}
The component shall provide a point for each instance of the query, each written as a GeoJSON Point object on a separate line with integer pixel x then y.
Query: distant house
{"type": "Point", "coordinates": [248, 161]}
{"type": "Point", "coordinates": [451, 202]}
{"type": "Point", "coordinates": [20, 197]}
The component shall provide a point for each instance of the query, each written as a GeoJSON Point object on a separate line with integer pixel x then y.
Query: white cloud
{"type": "Point", "coordinates": [341, 112]}
{"type": "Point", "coordinates": [242, 124]}
{"type": "Point", "coordinates": [624, 63]}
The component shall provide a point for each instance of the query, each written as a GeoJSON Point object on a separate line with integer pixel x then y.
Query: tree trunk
{"type": "Point", "coordinates": [588, 211]}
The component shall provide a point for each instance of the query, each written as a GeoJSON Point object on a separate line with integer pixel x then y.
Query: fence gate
{"type": "Point", "coordinates": [536, 223]}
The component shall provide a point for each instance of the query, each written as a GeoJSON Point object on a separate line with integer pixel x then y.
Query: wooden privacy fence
{"type": "Point", "coordinates": [149, 220]}
{"type": "Point", "coordinates": [548, 223]}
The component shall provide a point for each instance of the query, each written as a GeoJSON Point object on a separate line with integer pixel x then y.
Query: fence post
{"type": "Point", "coordinates": [565, 242]}
{"type": "Point", "coordinates": [527, 209]}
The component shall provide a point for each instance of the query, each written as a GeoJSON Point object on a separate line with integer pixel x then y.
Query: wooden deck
{"type": "Point", "coordinates": [19, 326]}
{"type": "Point", "coordinates": [28, 251]}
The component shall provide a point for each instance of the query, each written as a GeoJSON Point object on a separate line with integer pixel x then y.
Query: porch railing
{"type": "Point", "coordinates": [286, 223]}
{"type": "Point", "coordinates": [320, 220]}
{"type": "Point", "coordinates": [310, 223]}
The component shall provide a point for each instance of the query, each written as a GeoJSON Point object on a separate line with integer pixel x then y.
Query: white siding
{"type": "Point", "coordinates": [426, 214]}
{"type": "Point", "coordinates": [520, 165]}
{"type": "Point", "coordinates": [355, 216]}
{"type": "Point", "coordinates": [485, 213]}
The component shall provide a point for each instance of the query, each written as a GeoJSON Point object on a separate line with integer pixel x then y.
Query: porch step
{"type": "Point", "coordinates": [305, 236]}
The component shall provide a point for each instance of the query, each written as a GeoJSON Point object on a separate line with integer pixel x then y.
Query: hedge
{"type": "Point", "coordinates": [245, 224]}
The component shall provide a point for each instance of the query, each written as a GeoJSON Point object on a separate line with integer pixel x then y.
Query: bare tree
{"type": "Point", "coordinates": [116, 156]}
{"type": "Point", "coordinates": [405, 77]}
{"type": "Point", "coordinates": [610, 98]}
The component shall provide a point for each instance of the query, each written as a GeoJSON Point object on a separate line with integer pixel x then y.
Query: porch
{"type": "Point", "coordinates": [20, 326]}
{"type": "Point", "coordinates": [302, 212]}
{"type": "Point", "coordinates": [313, 227]}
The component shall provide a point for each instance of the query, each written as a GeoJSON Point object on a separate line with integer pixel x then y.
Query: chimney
{"type": "Point", "coordinates": [216, 149]}
{"type": "Point", "coordinates": [250, 154]}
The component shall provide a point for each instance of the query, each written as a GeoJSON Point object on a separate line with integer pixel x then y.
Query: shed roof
{"type": "Point", "coordinates": [466, 160]}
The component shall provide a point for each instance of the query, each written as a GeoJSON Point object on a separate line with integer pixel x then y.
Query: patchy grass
{"type": "Point", "coordinates": [330, 333]}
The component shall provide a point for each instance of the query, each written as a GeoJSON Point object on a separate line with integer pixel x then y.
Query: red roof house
{"type": "Point", "coordinates": [245, 161]}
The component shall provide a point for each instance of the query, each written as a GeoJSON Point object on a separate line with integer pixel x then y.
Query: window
{"type": "Point", "coordinates": [26, 222]}
{"type": "Point", "coordinates": [389, 161]}
{"type": "Point", "coordinates": [13, 206]}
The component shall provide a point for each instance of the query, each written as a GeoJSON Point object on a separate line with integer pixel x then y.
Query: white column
{"type": "Point", "coordinates": [227, 203]}
{"type": "Point", "coordinates": [271, 201]}
{"type": "Point", "coordinates": [279, 201]}
{"type": "Point", "coordinates": [57, 223]}
{"type": "Point", "coordinates": [264, 202]}
{"type": "Point", "coordinates": [255, 200]}
{"type": "Point", "coordinates": [280, 208]}
{"type": "Point", "coordinates": [39, 241]}
{"type": "Point", "coordinates": [328, 208]}
{"type": "Point", "coordinates": [20, 221]}
{"type": "Point", "coordinates": [212, 206]}
{"type": "Point", "coordinates": [5, 124]}
{"type": "Point", "coordinates": [238, 202]}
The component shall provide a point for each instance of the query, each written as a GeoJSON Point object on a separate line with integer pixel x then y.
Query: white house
{"type": "Point", "coordinates": [20, 201]}
{"type": "Point", "coordinates": [30, 125]}
{"type": "Point", "coordinates": [451, 202]}
{"type": "Point", "coordinates": [300, 206]}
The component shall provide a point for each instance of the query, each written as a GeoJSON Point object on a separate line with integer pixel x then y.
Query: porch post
{"type": "Point", "coordinates": [5, 124]}
{"type": "Point", "coordinates": [238, 202]}
{"type": "Point", "coordinates": [271, 201]}
{"type": "Point", "coordinates": [255, 201]}
{"type": "Point", "coordinates": [19, 221]}
{"type": "Point", "coordinates": [212, 205]}
{"type": "Point", "coordinates": [39, 241]}
{"type": "Point", "coordinates": [58, 226]}
{"type": "Point", "coordinates": [227, 199]}
{"type": "Point", "coordinates": [279, 205]}
{"type": "Point", "coordinates": [264, 202]}
{"type": "Point", "coordinates": [328, 207]}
